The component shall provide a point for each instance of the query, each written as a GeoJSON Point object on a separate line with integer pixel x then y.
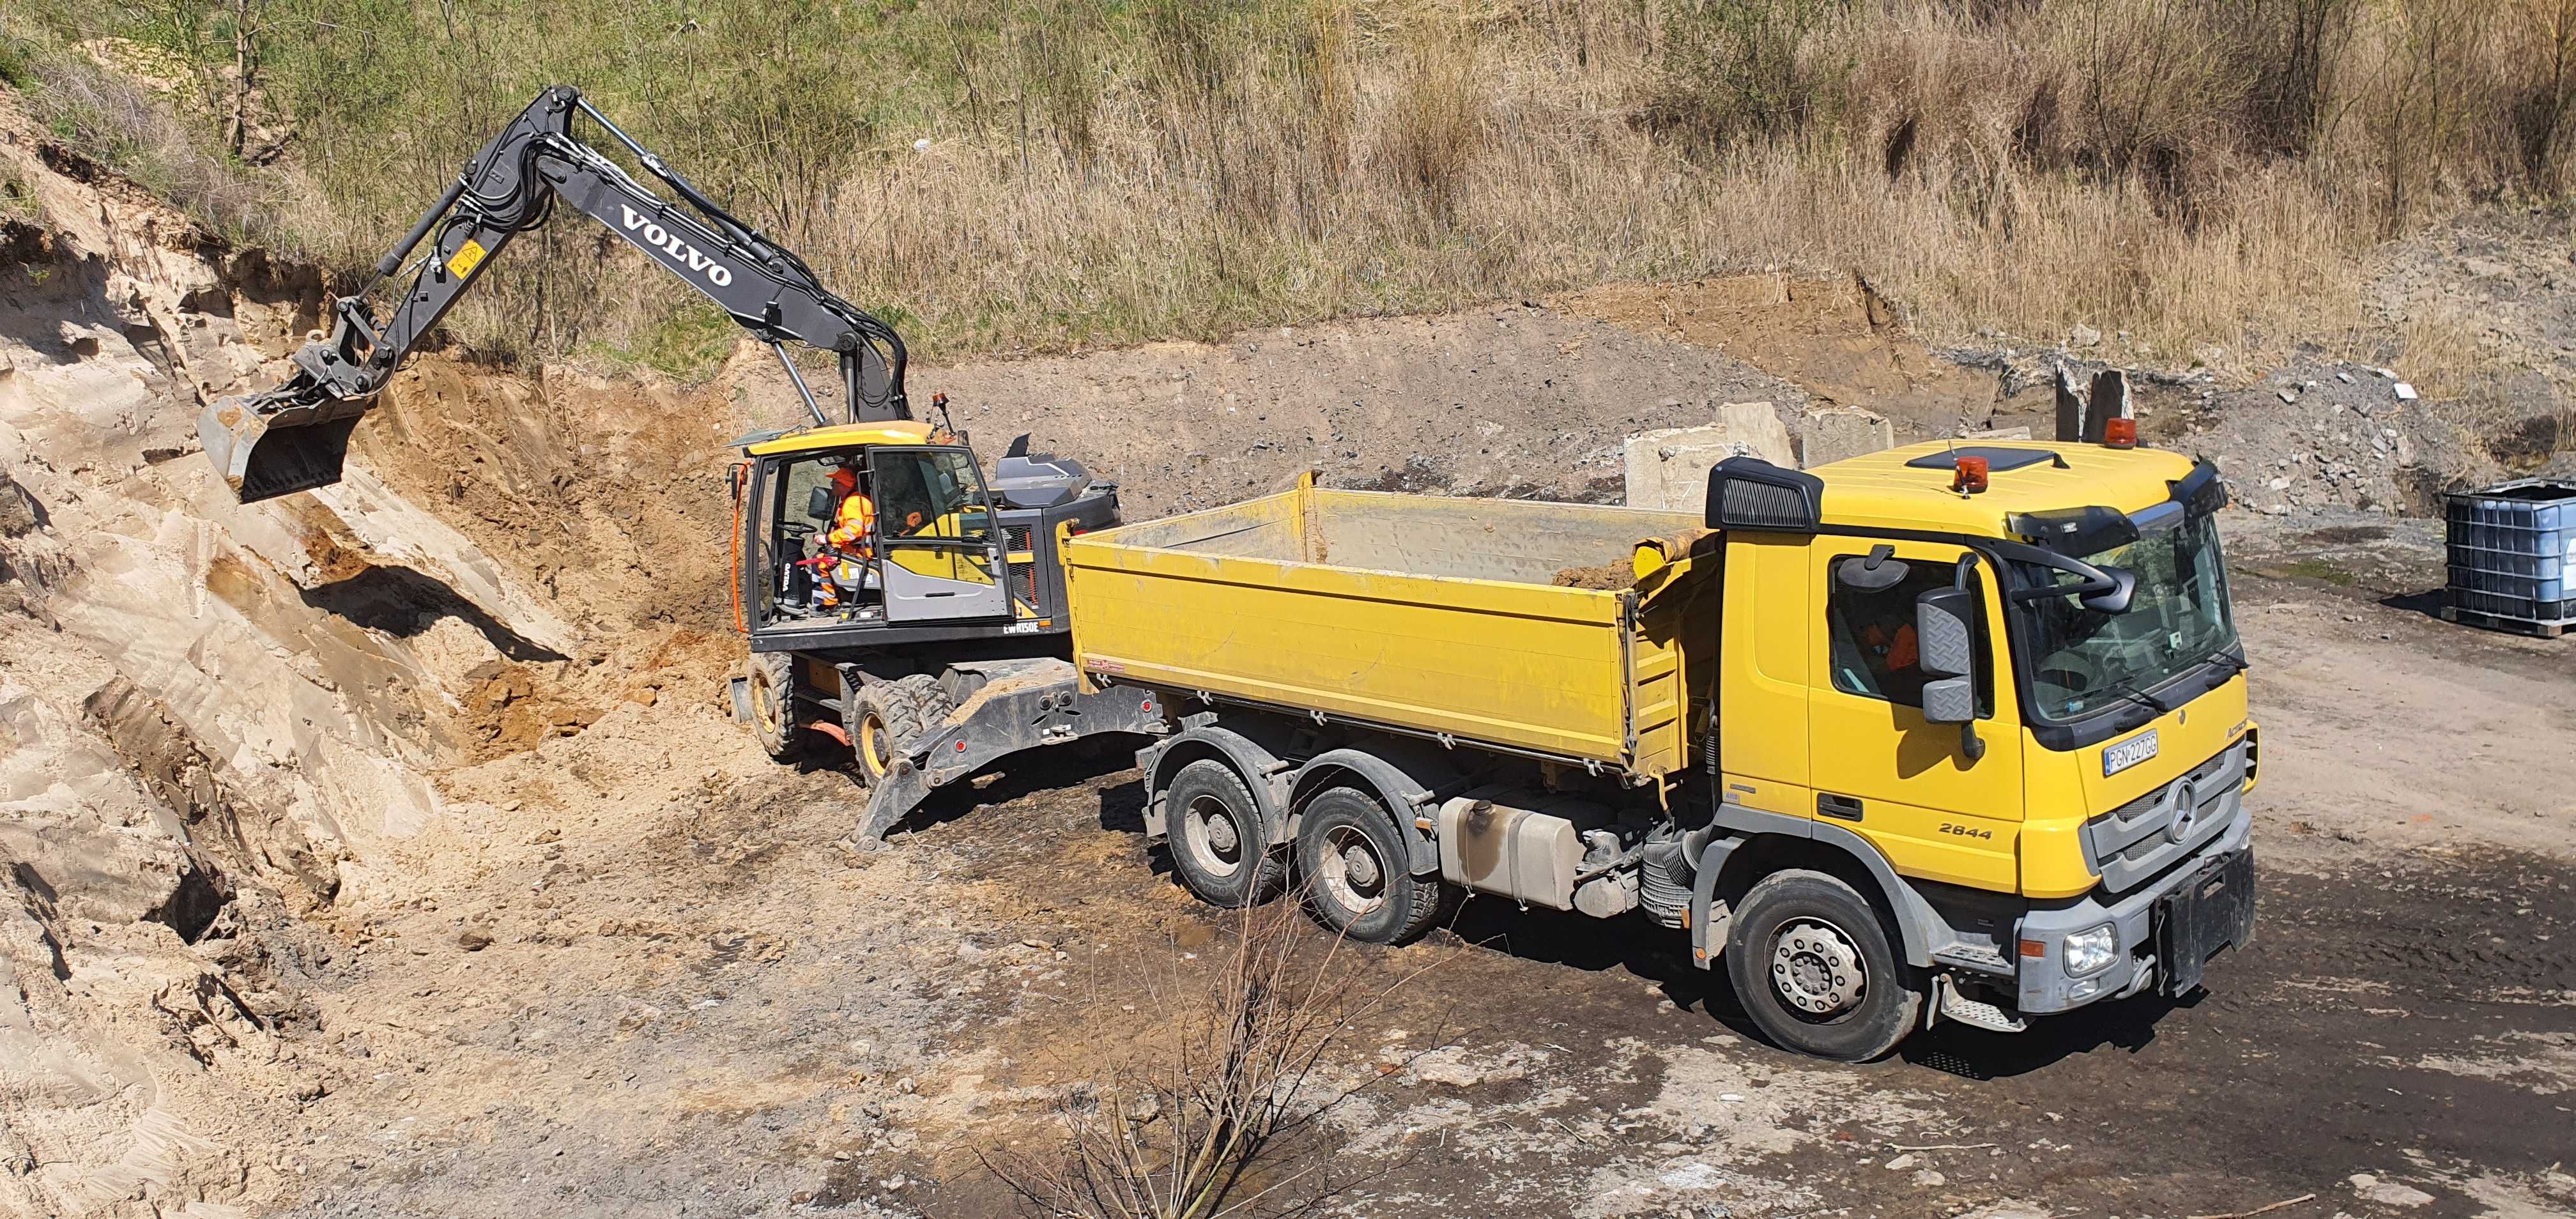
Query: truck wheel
{"type": "Point", "coordinates": [1811, 963]}
{"type": "Point", "coordinates": [1358, 870]}
{"type": "Point", "coordinates": [1220, 840]}
{"type": "Point", "coordinates": [773, 704]}
{"type": "Point", "coordinates": [886, 715]}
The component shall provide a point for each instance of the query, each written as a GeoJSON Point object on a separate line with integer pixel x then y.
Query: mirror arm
{"type": "Point", "coordinates": [1970, 743]}
{"type": "Point", "coordinates": [2096, 581]}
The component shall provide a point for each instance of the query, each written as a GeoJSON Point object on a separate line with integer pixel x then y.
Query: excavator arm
{"type": "Point", "coordinates": [296, 436]}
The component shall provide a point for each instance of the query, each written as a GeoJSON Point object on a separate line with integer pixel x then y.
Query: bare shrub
{"type": "Point", "coordinates": [2542, 88]}
{"type": "Point", "coordinates": [1735, 71]}
{"type": "Point", "coordinates": [1226, 1116]}
{"type": "Point", "coordinates": [1435, 122]}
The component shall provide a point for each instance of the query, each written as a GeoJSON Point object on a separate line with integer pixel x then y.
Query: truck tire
{"type": "Point", "coordinates": [887, 715]}
{"type": "Point", "coordinates": [1356, 865]}
{"type": "Point", "coordinates": [1811, 963]}
{"type": "Point", "coordinates": [772, 677]}
{"type": "Point", "coordinates": [1219, 838]}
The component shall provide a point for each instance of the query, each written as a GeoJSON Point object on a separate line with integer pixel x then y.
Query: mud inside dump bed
{"type": "Point", "coordinates": [1520, 541]}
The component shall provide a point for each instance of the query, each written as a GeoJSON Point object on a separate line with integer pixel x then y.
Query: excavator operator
{"type": "Point", "coordinates": [846, 552]}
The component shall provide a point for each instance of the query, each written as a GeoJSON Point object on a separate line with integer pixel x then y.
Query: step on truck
{"type": "Point", "coordinates": [1939, 733]}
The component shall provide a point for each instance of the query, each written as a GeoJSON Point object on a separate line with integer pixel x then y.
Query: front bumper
{"type": "Point", "coordinates": [2165, 931]}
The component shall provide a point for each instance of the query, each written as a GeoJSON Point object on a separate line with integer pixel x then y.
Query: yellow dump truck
{"type": "Point", "coordinates": [1937, 733]}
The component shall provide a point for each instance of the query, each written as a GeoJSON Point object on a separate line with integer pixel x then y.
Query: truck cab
{"type": "Point", "coordinates": [2010, 677]}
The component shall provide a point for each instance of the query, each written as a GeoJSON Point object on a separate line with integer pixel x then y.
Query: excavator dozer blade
{"type": "Point", "coordinates": [263, 456]}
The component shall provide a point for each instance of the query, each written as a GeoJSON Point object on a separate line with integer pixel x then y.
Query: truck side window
{"type": "Point", "coordinates": [1872, 633]}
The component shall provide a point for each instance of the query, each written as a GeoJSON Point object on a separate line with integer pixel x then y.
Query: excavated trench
{"type": "Point", "coordinates": [212, 716]}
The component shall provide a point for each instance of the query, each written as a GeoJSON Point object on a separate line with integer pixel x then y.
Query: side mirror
{"type": "Point", "coordinates": [2115, 599]}
{"type": "Point", "coordinates": [818, 503]}
{"type": "Point", "coordinates": [1945, 640]}
{"type": "Point", "coordinates": [1872, 572]}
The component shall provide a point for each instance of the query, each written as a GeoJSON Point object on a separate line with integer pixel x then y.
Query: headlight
{"type": "Point", "coordinates": [2091, 950]}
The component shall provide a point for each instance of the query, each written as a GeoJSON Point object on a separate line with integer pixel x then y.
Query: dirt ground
{"type": "Point", "coordinates": [386, 852]}
{"type": "Point", "coordinates": [744, 1011]}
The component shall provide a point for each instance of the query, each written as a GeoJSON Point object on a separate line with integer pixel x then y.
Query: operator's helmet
{"type": "Point", "coordinates": [845, 477]}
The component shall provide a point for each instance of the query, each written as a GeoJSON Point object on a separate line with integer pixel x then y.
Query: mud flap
{"type": "Point", "coordinates": [1039, 704]}
{"type": "Point", "coordinates": [2214, 910]}
{"type": "Point", "coordinates": [739, 690]}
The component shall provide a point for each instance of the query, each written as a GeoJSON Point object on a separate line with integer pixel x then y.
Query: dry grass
{"type": "Point", "coordinates": [2204, 174]}
{"type": "Point", "coordinates": [107, 116]}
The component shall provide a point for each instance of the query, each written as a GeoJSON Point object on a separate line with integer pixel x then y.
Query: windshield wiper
{"type": "Point", "coordinates": [2128, 688]}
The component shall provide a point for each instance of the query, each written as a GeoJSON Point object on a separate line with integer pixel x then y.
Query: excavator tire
{"type": "Point", "coordinates": [888, 714]}
{"type": "Point", "coordinates": [773, 704]}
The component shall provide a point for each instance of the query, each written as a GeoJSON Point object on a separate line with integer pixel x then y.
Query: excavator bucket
{"type": "Point", "coordinates": [265, 455]}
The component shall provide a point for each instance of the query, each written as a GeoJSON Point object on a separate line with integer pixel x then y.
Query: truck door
{"type": "Point", "coordinates": [1880, 769]}
{"type": "Point", "coordinates": [941, 554]}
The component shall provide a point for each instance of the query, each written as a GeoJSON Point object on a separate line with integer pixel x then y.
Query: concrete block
{"type": "Point", "coordinates": [1668, 469]}
{"type": "Point", "coordinates": [2070, 406]}
{"type": "Point", "coordinates": [1836, 432]}
{"type": "Point", "coordinates": [2108, 401]}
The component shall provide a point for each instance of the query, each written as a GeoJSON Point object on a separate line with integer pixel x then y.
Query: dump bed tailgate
{"type": "Point", "coordinates": [1286, 601]}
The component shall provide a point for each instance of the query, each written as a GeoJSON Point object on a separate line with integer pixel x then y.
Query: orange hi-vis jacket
{"type": "Point", "coordinates": [851, 525]}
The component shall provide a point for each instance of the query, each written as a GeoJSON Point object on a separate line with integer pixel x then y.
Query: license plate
{"type": "Point", "coordinates": [2128, 753]}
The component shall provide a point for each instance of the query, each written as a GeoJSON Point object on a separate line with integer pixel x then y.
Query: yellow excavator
{"type": "Point", "coordinates": [866, 642]}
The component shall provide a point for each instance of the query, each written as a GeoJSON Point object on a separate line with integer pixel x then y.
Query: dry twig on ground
{"type": "Point", "coordinates": [1225, 1119]}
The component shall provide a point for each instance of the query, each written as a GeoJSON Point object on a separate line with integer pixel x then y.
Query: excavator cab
{"type": "Point", "coordinates": [948, 557]}
{"type": "Point", "coordinates": [871, 637]}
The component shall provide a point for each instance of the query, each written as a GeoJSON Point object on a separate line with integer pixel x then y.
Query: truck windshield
{"type": "Point", "coordinates": [2178, 618]}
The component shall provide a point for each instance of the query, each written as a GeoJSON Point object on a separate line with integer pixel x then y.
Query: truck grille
{"type": "Point", "coordinates": [2134, 842]}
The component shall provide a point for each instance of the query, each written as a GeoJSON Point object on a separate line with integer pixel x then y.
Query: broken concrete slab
{"type": "Point", "coordinates": [2000, 433]}
{"type": "Point", "coordinates": [1668, 469]}
{"type": "Point", "coordinates": [2070, 405]}
{"type": "Point", "coordinates": [1833, 433]}
{"type": "Point", "coordinates": [2109, 400]}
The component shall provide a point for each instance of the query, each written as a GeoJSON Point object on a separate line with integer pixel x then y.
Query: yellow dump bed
{"type": "Point", "coordinates": [1424, 613]}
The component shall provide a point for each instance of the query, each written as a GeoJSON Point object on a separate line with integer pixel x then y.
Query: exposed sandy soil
{"type": "Point", "coordinates": [719, 1002]}
{"type": "Point", "coordinates": [1835, 338]}
{"type": "Point", "coordinates": [1519, 401]}
{"type": "Point", "coordinates": [385, 851]}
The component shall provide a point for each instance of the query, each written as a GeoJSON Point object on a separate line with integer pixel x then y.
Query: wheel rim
{"type": "Point", "coordinates": [1214, 836]}
{"type": "Point", "coordinates": [875, 755]}
{"type": "Point", "coordinates": [1816, 968]}
{"type": "Point", "coordinates": [1352, 872]}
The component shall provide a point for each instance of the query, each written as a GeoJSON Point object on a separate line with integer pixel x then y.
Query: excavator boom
{"type": "Point", "coordinates": [296, 436]}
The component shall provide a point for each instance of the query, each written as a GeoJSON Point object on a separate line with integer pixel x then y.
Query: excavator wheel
{"type": "Point", "coordinates": [773, 704]}
{"type": "Point", "coordinates": [888, 714]}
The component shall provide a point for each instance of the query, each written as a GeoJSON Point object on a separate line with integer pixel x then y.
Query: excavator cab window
{"type": "Point", "coordinates": [814, 577]}
{"type": "Point", "coordinates": [943, 558]}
